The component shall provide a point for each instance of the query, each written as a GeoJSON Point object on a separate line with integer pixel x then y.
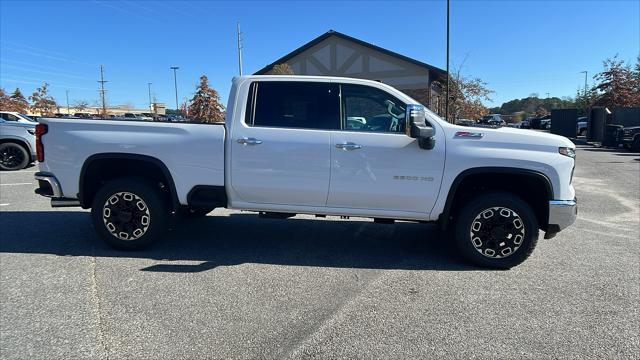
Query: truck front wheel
{"type": "Point", "coordinates": [129, 213]}
{"type": "Point", "coordinates": [496, 230]}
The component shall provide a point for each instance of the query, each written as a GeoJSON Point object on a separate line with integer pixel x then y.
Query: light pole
{"type": "Point", "coordinates": [446, 111]}
{"type": "Point", "coordinates": [150, 103]}
{"type": "Point", "coordinates": [239, 50]}
{"type": "Point", "coordinates": [585, 82]}
{"type": "Point", "coordinates": [67, 92]}
{"type": "Point", "coordinates": [175, 84]}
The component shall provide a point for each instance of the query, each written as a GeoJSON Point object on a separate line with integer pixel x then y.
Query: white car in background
{"type": "Point", "coordinates": [17, 144]}
{"type": "Point", "coordinates": [132, 116]}
{"type": "Point", "coordinates": [17, 117]}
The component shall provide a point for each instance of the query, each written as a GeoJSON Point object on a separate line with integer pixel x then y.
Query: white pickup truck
{"type": "Point", "coordinates": [315, 145]}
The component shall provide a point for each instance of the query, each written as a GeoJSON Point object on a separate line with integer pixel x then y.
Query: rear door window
{"type": "Point", "coordinates": [290, 104]}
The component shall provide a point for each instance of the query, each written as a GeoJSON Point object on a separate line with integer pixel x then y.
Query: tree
{"type": "Point", "coordinates": [5, 101]}
{"type": "Point", "coordinates": [584, 100]}
{"type": "Point", "coordinates": [282, 69]}
{"type": "Point", "coordinates": [205, 105]}
{"type": "Point", "coordinates": [80, 105]}
{"type": "Point", "coordinates": [466, 97]}
{"type": "Point", "coordinates": [41, 102]}
{"type": "Point", "coordinates": [541, 111]}
{"type": "Point", "coordinates": [617, 85]}
{"type": "Point", "coordinates": [19, 102]}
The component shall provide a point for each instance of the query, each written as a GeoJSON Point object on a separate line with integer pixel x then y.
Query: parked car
{"type": "Point", "coordinates": [629, 137]}
{"type": "Point", "coordinates": [82, 115]}
{"type": "Point", "coordinates": [132, 116]}
{"type": "Point", "coordinates": [526, 124]}
{"type": "Point", "coordinates": [493, 120]}
{"type": "Point", "coordinates": [285, 150]}
{"type": "Point", "coordinates": [545, 124]}
{"type": "Point", "coordinates": [517, 125]}
{"type": "Point", "coordinates": [13, 116]}
{"type": "Point", "coordinates": [581, 127]}
{"type": "Point", "coordinates": [465, 122]}
{"type": "Point", "coordinates": [17, 144]}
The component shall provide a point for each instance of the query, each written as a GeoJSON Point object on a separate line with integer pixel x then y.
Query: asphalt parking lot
{"type": "Point", "coordinates": [234, 286]}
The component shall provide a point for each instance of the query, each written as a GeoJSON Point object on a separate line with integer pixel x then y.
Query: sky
{"type": "Point", "coordinates": [516, 47]}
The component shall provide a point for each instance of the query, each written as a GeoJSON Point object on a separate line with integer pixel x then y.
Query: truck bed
{"type": "Point", "coordinates": [193, 153]}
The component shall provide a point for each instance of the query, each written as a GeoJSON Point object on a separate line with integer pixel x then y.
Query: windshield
{"type": "Point", "coordinates": [27, 118]}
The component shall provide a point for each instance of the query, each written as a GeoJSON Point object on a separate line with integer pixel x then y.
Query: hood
{"type": "Point", "coordinates": [19, 124]}
{"type": "Point", "coordinates": [513, 137]}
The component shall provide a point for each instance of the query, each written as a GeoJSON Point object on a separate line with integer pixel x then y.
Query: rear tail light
{"type": "Point", "coordinates": [41, 129]}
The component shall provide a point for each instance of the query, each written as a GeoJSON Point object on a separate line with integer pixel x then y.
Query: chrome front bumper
{"type": "Point", "coordinates": [562, 213]}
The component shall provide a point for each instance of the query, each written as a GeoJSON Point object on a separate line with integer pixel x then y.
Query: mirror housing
{"type": "Point", "coordinates": [417, 127]}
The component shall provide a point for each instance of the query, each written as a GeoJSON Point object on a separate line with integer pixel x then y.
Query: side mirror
{"type": "Point", "coordinates": [417, 128]}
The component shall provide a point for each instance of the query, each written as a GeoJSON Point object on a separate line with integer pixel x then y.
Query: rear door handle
{"type": "Point", "coordinates": [348, 146]}
{"type": "Point", "coordinates": [249, 141]}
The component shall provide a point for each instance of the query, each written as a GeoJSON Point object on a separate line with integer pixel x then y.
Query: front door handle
{"type": "Point", "coordinates": [249, 141]}
{"type": "Point", "coordinates": [348, 146]}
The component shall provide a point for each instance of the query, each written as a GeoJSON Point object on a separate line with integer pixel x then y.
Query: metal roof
{"type": "Point", "coordinates": [438, 72]}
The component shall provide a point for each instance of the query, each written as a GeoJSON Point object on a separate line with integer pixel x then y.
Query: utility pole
{"type": "Point", "coordinates": [175, 84]}
{"type": "Point", "coordinates": [585, 82]}
{"type": "Point", "coordinates": [446, 111]}
{"type": "Point", "coordinates": [67, 92]}
{"type": "Point", "coordinates": [150, 103]}
{"type": "Point", "coordinates": [102, 91]}
{"type": "Point", "coordinates": [239, 49]}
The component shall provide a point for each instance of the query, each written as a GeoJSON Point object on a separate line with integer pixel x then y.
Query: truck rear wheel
{"type": "Point", "coordinates": [496, 230]}
{"type": "Point", "coordinates": [129, 213]}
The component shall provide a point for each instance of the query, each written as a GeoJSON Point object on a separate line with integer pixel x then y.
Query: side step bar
{"type": "Point", "coordinates": [64, 202]}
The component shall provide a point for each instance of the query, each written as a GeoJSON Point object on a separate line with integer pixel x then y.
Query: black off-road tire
{"type": "Point", "coordinates": [505, 235]}
{"type": "Point", "coordinates": [635, 145]}
{"type": "Point", "coordinates": [128, 215]}
{"type": "Point", "coordinates": [13, 156]}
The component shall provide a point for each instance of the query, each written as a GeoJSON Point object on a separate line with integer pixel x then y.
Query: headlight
{"type": "Point", "coordinates": [566, 151]}
{"type": "Point", "coordinates": [31, 131]}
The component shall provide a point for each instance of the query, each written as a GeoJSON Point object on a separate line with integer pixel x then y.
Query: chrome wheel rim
{"type": "Point", "coordinates": [497, 232]}
{"type": "Point", "coordinates": [126, 216]}
{"type": "Point", "coordinates": [11, 157]}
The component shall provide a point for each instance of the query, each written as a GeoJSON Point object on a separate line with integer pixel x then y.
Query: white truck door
{"type": "Point", "coordinates": [280, 150]}
{"type": "Point", "coordinates": [374, 165]}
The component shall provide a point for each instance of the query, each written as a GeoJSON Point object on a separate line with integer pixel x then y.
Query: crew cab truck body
{"type": "Point", "coordinates": [315, 145]}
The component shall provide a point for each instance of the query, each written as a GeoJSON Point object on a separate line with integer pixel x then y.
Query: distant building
{"type": "Point", "coordinates": [118, 110]}
{"type": "Point", "coordinates": [337, 54]}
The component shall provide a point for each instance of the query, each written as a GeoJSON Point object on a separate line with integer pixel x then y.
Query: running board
{"type": "Point", "coordinates": [65, 202]}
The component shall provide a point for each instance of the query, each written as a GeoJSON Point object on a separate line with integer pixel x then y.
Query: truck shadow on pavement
{"type": "Point", "coordinates": [242, 238]}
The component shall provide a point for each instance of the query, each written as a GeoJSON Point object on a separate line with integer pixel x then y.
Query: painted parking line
{"type": "Point", "coordinates": [5, 204]}
{"type": "Point", "coordinates": [16, 184]}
